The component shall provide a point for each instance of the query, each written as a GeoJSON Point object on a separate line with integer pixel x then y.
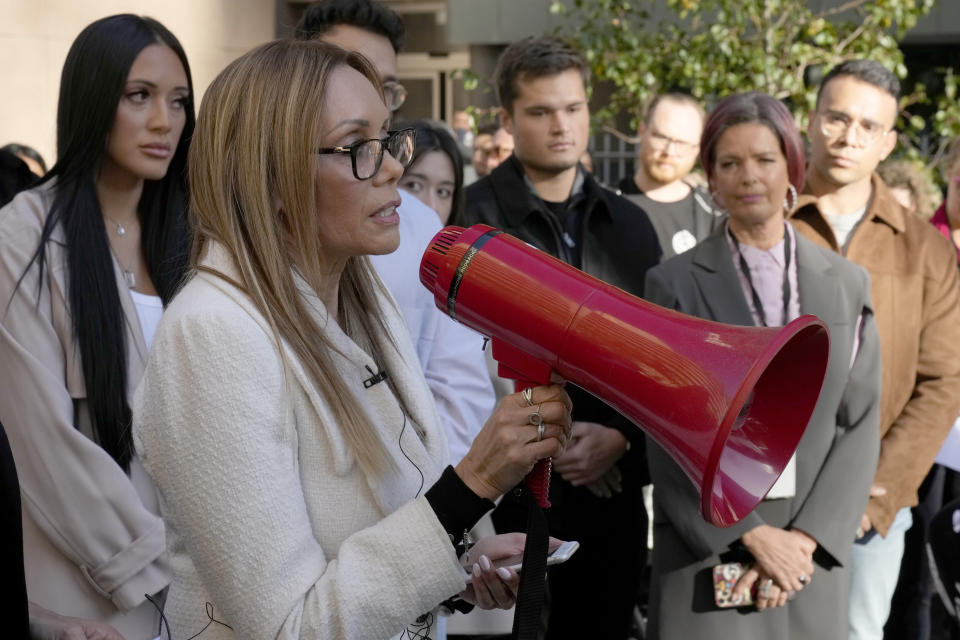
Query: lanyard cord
{"type": "Point", "coordinates": [745, 270]}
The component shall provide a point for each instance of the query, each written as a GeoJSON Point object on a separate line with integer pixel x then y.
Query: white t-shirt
{"type": "Point", "coordinates": [149, 310]}
{"type": "Point", "coordinates": [843, 224]}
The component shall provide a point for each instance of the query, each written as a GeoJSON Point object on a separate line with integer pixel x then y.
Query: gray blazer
{"type": "Point", "coordinates": [836, 458]}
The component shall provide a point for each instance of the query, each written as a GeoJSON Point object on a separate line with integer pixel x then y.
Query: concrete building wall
{"type": "Point", "coordinates": [35, 36]}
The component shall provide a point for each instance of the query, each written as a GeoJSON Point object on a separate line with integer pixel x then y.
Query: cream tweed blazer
{"type": "Point", "coordinates": [270, 519]}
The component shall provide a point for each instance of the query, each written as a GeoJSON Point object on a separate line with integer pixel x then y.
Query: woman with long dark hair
{"type": "Point", "coordinates": [435, 174]}
{"type": "Point", "coordinates": [87, 260]}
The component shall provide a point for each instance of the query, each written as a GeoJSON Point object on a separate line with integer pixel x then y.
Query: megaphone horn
{"type": "Point", "coordinates": [728, 403]}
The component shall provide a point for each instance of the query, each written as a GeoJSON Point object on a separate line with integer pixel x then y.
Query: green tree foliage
{"type": "Point", "coordinates": [712, 48]}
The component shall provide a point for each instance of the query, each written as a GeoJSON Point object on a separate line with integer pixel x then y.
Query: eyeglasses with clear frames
{"type": "Point", "coordinates": [659, 142]}
{"type": "Point", "coordinates": [865, 132]}
{"type": "Point", "coordinates": [394, 94]}
{"type": "Point", "coordinates": [366, 156]}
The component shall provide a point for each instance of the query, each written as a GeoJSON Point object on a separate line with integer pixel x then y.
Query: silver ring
{"type": "Point", "coordinates": [540, 431]}
{"type": "Point", "coordinates": [536, 419]}
{"type": "Point", "coordinates": [765, 588]}
{"type": "Point", "coordinates": [804, 580]}
{"type": "Point", "coordinates": [527, 395]}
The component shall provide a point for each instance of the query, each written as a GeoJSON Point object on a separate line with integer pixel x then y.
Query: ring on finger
{"type": "Point", "coordinates": [540, 431]}
{"type": "Point", "coordinates": [536, 419]}
{"type": "Point", "coordinates": [765, 588]}
{"type": "Point", "coordinates": [804, 580]}
{"type": "Point", "coordinates": [527, 395]}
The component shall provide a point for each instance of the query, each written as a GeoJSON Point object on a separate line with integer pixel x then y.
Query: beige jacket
{"type": "Point", "coordinates": [913, 270]}
{"type": "Point", "coordinates": [93, 539]}
{"type": "Point", "coordinates": [270, 518]}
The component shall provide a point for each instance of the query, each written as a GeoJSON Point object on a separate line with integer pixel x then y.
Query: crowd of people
{"type": "Point", "coordinates": [229, 409]}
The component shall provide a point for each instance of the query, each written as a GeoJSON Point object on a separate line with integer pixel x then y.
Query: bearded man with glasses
{"type": "Point", "coordinates": [682, 213]}
{"type": "Point", "coordinates": [915, 292]}
{"type": "Point", "coordinates": [450, 354]}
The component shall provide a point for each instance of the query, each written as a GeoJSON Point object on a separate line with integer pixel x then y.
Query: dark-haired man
{"type": "Point", "coordinates": [451, 355]}
{"type": "Point", "coordinates": [681, 213]}
{"type": "Point", "coordinates": [915, 295]}
{"type": "Point", "coordinates": [542, 195]}
{"type": "Point", "coordinates": [367, 27]}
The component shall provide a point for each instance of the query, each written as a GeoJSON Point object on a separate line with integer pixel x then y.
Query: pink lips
{"type": "Point", "coordinates": [750, 198]}
{"type": "Point", "coordinates": [161, 151]}
{"type": "Point", "coordinates": [387, 214]}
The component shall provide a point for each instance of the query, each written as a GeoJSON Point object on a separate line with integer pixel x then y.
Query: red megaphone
{"type": "Point", "coordinates": [728, 403]}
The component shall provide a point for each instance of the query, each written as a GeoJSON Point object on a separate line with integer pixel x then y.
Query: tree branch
{"type": "Point", "coordinates": [781, 20]}
{"type": "Point", "coordinates": [856, 33]}
{"type": "Point", "coordinates": [616, 133]}
{"type": "Point", "coordinates": [800, 70]}
{"type": "Point", "coordinates": [852, 4]}
{"type": "Point", "coordinates": [937, 156]}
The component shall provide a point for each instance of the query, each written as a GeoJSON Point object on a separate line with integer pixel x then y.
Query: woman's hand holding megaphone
{"type": "Point", "coordinates": [524, 428]}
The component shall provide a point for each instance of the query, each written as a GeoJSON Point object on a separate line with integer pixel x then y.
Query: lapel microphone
{"type": "Point", "coordinates": [374, 378]}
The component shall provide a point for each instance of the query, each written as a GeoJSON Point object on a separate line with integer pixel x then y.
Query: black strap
{"type": "Point", "coordinates": [745, 270]}
{"type": "Point", "coordinates": [530, 596]}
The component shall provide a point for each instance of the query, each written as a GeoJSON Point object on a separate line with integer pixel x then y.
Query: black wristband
{"type": "Point", "coordinates": [456, 604]}
{"type": "Point", "coordinates": [457, 507]}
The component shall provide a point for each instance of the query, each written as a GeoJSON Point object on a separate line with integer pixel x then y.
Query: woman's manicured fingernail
{"type": "Point", "coordinates": [737, 598]}
{"type": "Point", "coordinates": [504, 573]}
{"type": "Point", "coordinates": [485, 563]}
{"type": "Point", "coordinates": [476, 570]}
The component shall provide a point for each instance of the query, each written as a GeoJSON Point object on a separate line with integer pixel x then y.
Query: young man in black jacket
{"type": "Point", "coordinates": [543, 196]}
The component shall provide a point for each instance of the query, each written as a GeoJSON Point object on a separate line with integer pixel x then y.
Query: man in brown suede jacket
{"type": "Point", "coordinates": [917, 302]}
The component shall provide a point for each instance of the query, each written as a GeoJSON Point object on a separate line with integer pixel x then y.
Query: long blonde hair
{"type": "Point", "coordinates": [253, 147]}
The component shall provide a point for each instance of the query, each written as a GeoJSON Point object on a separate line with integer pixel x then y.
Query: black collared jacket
{"type": "Point", "coordinates": [618, 242]}
{"type": "Point", "coordinates": [618, 245]}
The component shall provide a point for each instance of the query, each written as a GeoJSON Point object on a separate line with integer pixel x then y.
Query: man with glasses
{"type": "Point", "coordinates": [681, 213]}
{"type": "Point", "coordinates": [490, 149]}
{"type": "Point", "coordinates": [915, 294]}
{"type": "Point", "coordinates": [482, 148]}
{"type": "Point", "coordinates": [365, 27]}
{"type": "Point", "coordinates": [450, 354]}
{"type": "Point", "coordinates": [501, 149]}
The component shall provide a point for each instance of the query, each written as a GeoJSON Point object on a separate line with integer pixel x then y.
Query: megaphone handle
{"type": "Point", "coordinates": [538, 480]}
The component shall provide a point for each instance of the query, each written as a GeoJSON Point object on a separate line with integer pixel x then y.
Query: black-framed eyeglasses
{"type": "Point", "coordinates": [394, 94]}
{"type": "Point", "coordinates": [367, 155]}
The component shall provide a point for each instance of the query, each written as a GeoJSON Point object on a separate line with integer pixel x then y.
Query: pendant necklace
{"type": "Point", "coordinates": [128, 276]}
{"type": "Point", "coordinates": [120, 230]}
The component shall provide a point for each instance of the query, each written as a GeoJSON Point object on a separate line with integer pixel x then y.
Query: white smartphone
{"type": "Point", "coordinates": [557, 556]}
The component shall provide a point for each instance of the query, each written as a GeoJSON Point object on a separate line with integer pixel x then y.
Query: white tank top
{"type": "Point", "coordinates": [149, 310]}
